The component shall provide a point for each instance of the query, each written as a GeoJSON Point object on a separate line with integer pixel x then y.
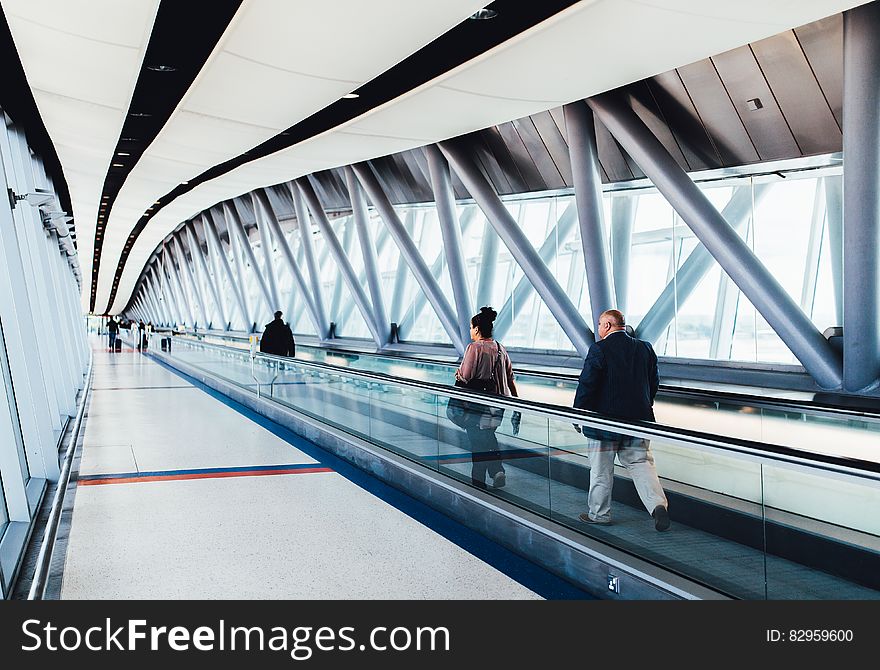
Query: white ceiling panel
{"type": "Point", "coordinates": [278, 63]}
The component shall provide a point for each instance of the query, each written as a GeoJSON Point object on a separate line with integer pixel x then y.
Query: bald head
{"type": "Point", "coordinates": [610, 321]}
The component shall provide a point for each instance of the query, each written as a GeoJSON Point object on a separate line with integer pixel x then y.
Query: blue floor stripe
{"type": "Point", "coordinates": [529, 574]}
{"type": "Point", "coordinates": [205, 471]}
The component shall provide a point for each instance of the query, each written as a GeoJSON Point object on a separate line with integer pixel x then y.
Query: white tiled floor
{"type": "Point", "coordinates": [284, 536]}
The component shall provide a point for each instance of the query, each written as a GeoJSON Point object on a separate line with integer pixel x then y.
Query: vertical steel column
{"type": "Point", "coordinates": [187, 271]}
{"type": "Point", "coordinates": [304, 227]}
{"type": "Point", "coordinates": [233, 223]}
{"type": "Point", "coordinates": [834, 212]}
{"type": "Point", "coordinates": [410, 252]}
{"type": "Point", "coordinates": [368, 252]}
{"type": "Point", "coordinates": [623, 217]}
{"type": "Point", "coordinates": [524, 289]}
{"type": "Point", "coordinates": [588, 194]}
{"type": "Point", "coordinates": [195, 251]}
{"type": "Point", "coordinates": [263, 209]}
{"type": "Point", "coordinates": [521, 249]}
{"type": "Point", "coordinates": [400, 279]}
{"type": "Point", "coordinates": [444, 198]}
{"type": "Point", "coordinates": [488, 267]}
{"type": "Point", "coordinates": [347, 237]}
{"type": "Point", "coordinates": [732, 254]}
{"type": "Point", "coordinates": [684, 281]}
{"type": "Point", "coordinates": [861, 197]}
{"type": "Point", "coordinates": [218, 256]}
{"type": "Point", "coordinates": [348, 275]}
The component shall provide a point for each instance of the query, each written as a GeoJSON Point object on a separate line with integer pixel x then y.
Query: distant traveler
{"type": "Point", "coordinates": [485, 367]}
{"type": "Point", "coordinates": [113, 329]}
{"type": "Point", "coordinates": [142, 335]}
{"type": "Point", "coordinates": [277, 338]}
{"type": "Point", "coordinates": [620, 378]}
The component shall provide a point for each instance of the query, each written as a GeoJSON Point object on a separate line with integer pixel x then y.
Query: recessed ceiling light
{"type": "Point", "coordinates": [482, 14]}
{"type": "Point", "coordinates": [161, 68]}
{"type": "Point", "coordinates": [129, 139]}
{"type": "Point", "coordinates": [117, 165]}
{"type": "Point", "coordinates": [140, 114]}
{"type": "Point", "coordinates": [350, 96]}
{"type": "Point", "coordinates": [184, 182]}
{"type": "Point", "coordinates": [122, 153]}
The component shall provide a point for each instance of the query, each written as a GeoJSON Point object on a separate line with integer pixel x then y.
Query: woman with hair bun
{"type": "Point", "coordinates": [486, 367]}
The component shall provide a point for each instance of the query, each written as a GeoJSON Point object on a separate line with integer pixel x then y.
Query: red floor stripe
{"type": "Point", "coordinates": [209, 475]}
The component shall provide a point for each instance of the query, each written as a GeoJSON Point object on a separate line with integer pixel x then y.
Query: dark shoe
{"type": "Point", "coordinates": [586, 519]}
{"type": "Point", "coordinates": [661, 518]}
{"type": "Point", "coordinates": [499, 480]}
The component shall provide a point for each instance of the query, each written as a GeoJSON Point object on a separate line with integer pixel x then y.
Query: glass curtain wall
{"type": "Point", "coordinates": [785, 221]}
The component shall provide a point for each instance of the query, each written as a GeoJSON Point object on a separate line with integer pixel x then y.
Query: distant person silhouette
{"type": "Point", "coordinates": [620, 378]}
{"type": "Point", "coordinates": [277, 338]}
{"type": "Point", "coordinates": [113, 330]}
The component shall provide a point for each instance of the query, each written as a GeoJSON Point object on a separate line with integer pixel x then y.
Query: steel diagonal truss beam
{"type": "Point", "coordinates": [175, 273]}
{"type": "Point", "coordinates": [190, 279]}
{"type": "Point", "coordinates": [588, 194]}
{"type": "Point", "coordinates": [163, 302]}
{"type": "Point", "coordinates": [368, 252]}
{"type": "Point", "coordinates": [219, 260]}
{"type": "Point", "coordinates": [266, 245]}
{"type": "Point", "coordinates": [444, 198]}
{"type": "Point", "coordinates": [165, 285]}
{"type": "Point", "coordinates": [524, 288]}
{"type": "Point", "coordinates": [348, 275]}
{"type": "Point", "coordinates": [402, 276]}
{"type": "Point", "coordinates": [245, 251]}
{"type": "Point", "coordinates": [241, 277]}
{"type": "Point", "coordinates": [195, 252]}
{"type": "Point", "coordinates": [265, 213]}
{"type": "Point", "coordinates": [152, 299]}
{"type": "Point", "coordinates": [559, 304]}
{"type": "Point", "coordinates": [410, 252]}
{"type": "Point", "coordinates": [710, 227]}
{"type": "Point", "coordinates": [307, 244]}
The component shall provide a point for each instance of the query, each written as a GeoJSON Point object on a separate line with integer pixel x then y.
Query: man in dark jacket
{"type": "Point", "coordinates": [620, 378]}
{"type": "Point", "coordinates": [277, 338]}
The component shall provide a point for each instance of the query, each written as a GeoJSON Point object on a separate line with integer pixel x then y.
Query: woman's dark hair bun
{"type": "Point", "coordinates": [488, 313]}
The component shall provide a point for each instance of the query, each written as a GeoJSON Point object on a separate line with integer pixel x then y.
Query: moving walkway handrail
{"type": "Point", "coordinates": [850, 466]}
{"type": "Point", "coordinates": [47, 547]}
{"type": "Point", "coordinates": [703, 395]}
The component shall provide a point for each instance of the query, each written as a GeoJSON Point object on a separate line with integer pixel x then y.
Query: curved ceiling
{"type": "Point", "coordinates": [279, 62]}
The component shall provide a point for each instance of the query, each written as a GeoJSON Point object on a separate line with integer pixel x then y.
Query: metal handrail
{"type": "Point", "coordinates": [710, 395]}
{"type": "Point", "coordinates": [47, 548]}
{"type": "Point", "coordinates": [850, 466]}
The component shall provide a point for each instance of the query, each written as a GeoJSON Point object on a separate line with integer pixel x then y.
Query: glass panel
{"type": "Point", "coordinates": [9, 405]}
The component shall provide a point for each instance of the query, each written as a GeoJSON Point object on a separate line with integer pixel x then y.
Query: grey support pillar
{"type": "Point", "coordinates": [264, 211]}
{"type": "Point", "coordinates": [195, 252]}
{"type": "Point", "coordinates": [187, 271]}
{"type": "Point", "coordinates": [348, 275]}
{"type": "Point", "coordinates": [414, 260]}
{"type": "Point", "coordinates": [441, 182]}
{"type": "Point", "coordinates": [368, 252]}
{"type": "Point", "coordinates": [623, 216]}
{"type": "Point", "coordinates": [176, 274]}
{"type": "Point", "coordinates": [235, 226]}
{"type": "Point", "coordinates": [304, 228]}
{"type": "Point", "coordinates": [737, 212]}
{"type": "Point", "coordinates": [559, 304]}
{"type": "Point", "coordinates": [861, 197]}
{"type": "Point", "coordinates": [266, 244]}
{"type": "Point", "coordinates": [834, 212]}
{"type": "Point", "coordinates": [488, 267]}
{"type": "Point", "coordinates": [400, 279]}
{"type": "Point", "coordinates": [588, 193]}
{"type": "Point", "coordinates": [215, 247]}
{"type": "Point", "coordinates": [732, 254]}
{"type": "Point", "coordinates": [524, 288]}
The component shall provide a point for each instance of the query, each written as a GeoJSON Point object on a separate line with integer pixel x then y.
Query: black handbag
{"type": "Point", "coordinates": [466, 414]}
